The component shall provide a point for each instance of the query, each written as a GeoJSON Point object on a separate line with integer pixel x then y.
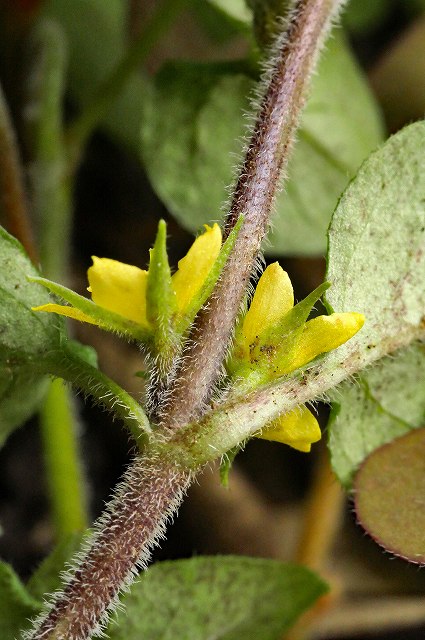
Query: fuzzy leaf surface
{"type": "Point", "coordinates": [191, 134]}
{"type": "Point", "coordinates": [25, 336]}
{"type": "Point", "coordinates": [383, 404]}
{"type": "Point", "coordinates": [225, 597]}
{"type": "Point", "coordinates": [376, 258]}
{"type": "Point", "coordinates": [377, 267]}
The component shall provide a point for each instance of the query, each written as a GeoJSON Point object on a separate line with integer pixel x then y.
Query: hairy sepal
{"type": "Point", "coordinates": [104, 318]}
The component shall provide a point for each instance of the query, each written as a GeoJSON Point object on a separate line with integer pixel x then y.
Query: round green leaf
{"type": "Point", "coordinates": [389, 495]}
{"type": "Point", "coordinates": [222, 597]}
{"type": "Point", "coordinates": [376, 258]}
{"type": "Point", "coordinates": [387, 401]}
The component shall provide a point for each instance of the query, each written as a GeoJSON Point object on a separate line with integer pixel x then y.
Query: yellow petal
{"type": "Point", "coordinates": [324, 333]}
{"type": "Point", "coordinates": [298, 428]}
{"type": "Point", "coordinates": [64, 310]}
{"type": "Point", "coordinates": [196, 265]}
{"type": "Point", "coordinates": [273, 298]}
{"type": "Point", "coordinates": [119, 287]}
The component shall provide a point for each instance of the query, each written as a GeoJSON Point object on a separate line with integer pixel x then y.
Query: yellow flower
{"type": "Point", "coordinates": [194, 268]}
{"type": "Point", "coordinates": [119, 289]}
{"type": "Point", "coordinates": [298, 428]}
{"type": "Point", "coordinates": [275, 339]}
{"type": "Point", "coordinates": [274, 334]}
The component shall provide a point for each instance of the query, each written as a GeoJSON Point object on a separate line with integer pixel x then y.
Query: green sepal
{"type": "Point", "coordinates": [226, 464]}
{"type": "Point", "coordinates": [83, 351]}
{"type": "Point", "coordinates": [160, 297]}
{"type": "Point", "coordinates": [104, 318]}
{"type": "Point", "coordinates": [207, 288]}
{"type": "Point", "coordinates": [275, 348]}
{"type": "Point", "coordinates": [286, 335]}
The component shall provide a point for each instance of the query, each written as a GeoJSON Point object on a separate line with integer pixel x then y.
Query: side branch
{"type": "Point", "coordinates": [226, 426]}
{"type": "Point", "coordinates": [266, 157]}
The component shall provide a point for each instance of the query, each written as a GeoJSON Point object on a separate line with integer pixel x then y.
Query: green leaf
{"type": "Point", "coordinates": [19, 602]}
{"type": "Point", "coordinates": [221, 21]}
{"type": "Point", "coordinates": [191, 132]}
{"type": "Point", "coordinates": [225, 597]}
{"type": "Point", "coordinates": [92, 59]}
{"type": "Point", "coordinates": [17, 606]}
{"type": "Point", "coordinates": [25, 337]}
{"type": "Point", "coordinates": [226, 464]}
{"type": "Point", "coordinates": [340, 126]}
{"type": "Point", "coordinates": [389, 490]}
{"type": "Point", "coordinates": [385, 402]}
{"type": "Point", "coordinates": [377, 267]}
{"type": "Point", "coordinates": [46, 578]}
{"type": "Point", "coordinates": [191, 123]}
{"type": "Point", "coordinates": [376, 258]}
{"type": "Point", "coordinates": [48, 179]}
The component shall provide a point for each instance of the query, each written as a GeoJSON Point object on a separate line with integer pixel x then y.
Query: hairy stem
{"type": "Point", "coordinates": [240, 418]}
{"type": "Point", "coordinates": [149, 494]}
{"type": "Point", "coordinates": [266, 157]}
